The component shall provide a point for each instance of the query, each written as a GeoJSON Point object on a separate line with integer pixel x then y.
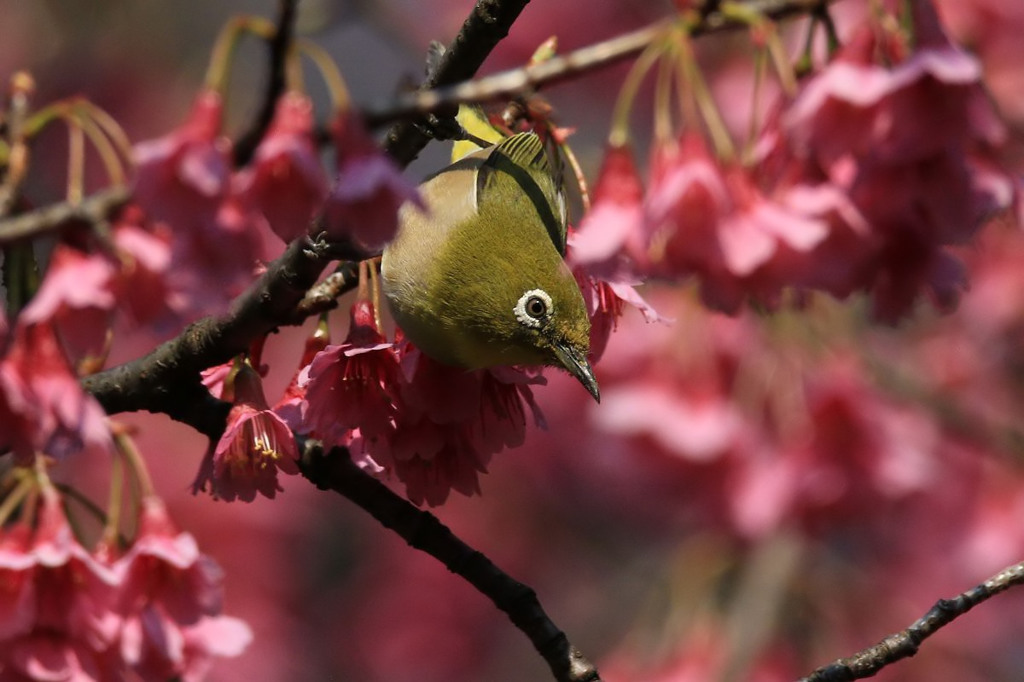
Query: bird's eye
{"type": "Point", "coordinates": [534, 308]}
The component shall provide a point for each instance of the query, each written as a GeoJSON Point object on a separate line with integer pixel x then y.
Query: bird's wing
{"type": "Point", "coordinates": [522, 156]}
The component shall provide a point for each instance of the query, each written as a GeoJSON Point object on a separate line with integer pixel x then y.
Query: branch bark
{"type": "Point", "coordinates": [422, 530]}
{"type": "Point", "coordinates": [515, 82]}
{"type": "Point", "coordinates": [905, 643]}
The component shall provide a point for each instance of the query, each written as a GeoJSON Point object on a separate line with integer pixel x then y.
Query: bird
{"type": "Point", "coordinates": [476, 276]}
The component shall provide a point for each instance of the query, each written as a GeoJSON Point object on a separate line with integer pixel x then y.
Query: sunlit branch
{"type": "Point", "coordinates": [905, 643]}
{"type": "Point", "coordinates": [324, 296]}
{"type": "Point", "coordinates": [94, 209]}
{"type": "Point", "coordinates": [423, 531]}
{"type": "Point", "coordinates": [559, 68]}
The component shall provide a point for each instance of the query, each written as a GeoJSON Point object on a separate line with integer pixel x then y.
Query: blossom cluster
{"type": "Point", "coordinates": [858, 181]}
{"type": "Point", "coordinates": [152, 612]}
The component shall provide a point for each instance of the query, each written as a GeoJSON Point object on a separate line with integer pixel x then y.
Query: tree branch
{"type": "Point", "coordinates": [484, 28]}
{"type": "Point", "coordinates": [159, 381]}
{"type": "Point", "coordinates": [518, 81]}
{"type": "Point", "coordinates": [93, 210]}
{"type": "Point", "coordinates": [905, 643]}
{"type": "Point", "coordinates": [279, 47]}
{"type": "Point", "coordinates": [423, 531]}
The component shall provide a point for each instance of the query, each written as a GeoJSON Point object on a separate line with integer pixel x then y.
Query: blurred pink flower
{"type": "Point", "coordinates": [171, 600]}
{"type": "Point", "coordinates": [353, 384]}
{"type": "Point", "coordinates": [286, 181]}
{"type": "Point", "coordinates": [143, 288]}
{"type": "Point", "coordinates": [77, 296]}
{"type": "Point", "coordinates": [368, 190]}
{"type": "Point", "coordinates": [41, 402]}
{"type": "Point", "coordinates": [906, 133]}
{"type": "Point", "coordinates": [63, 616]}
{"type": "Point", "coordinates": [183, 182]}
{"type": "Point", "coordinates": [614, 224]}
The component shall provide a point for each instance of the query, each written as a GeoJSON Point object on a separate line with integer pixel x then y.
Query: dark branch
{"type": "Point", "coordinates": [278, 47]}
{"type": "Point", "coordinates": [905, 643]}
{"type": "Point", "coordinates": [486, 26]}
{"type": "Point", "coordinates": [159, 381]}
{"type": "Point", "coordinates": [94, 210]}
{"type": "Point", "coordinates": [422, 530]}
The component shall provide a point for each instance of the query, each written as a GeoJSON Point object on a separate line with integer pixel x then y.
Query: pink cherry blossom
{"type": "Point", "coordinates": [449, 422]}
{"type": "Point", "coordinates": [352, 385]}
{"type": "Point", "coordinates": [78, 297]}
{"type": "Point", "coordinates": [43, 406]}
{"type": "Point", "coordinates": [286, 182]}
{"type": "Point", "coordinates": [905, 133]}
{"type": "Point", "coordinates": [183, 183]}
{"type": "Point", "coordinates": [62, 614]}
{"type": "Point", "coordinates": [255, 445]}
{"type": "Point", "coordinates": [171, 602]}
{"type": "Point", "coordinates": [368, 189]}
{"type": "Point", "coordinates": [292, 404]}
{"type": "Point", "coordinates": [144, 292]}
{"type": "Point", "coordinates": [613, 226]}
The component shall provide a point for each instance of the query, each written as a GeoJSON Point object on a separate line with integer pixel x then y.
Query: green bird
{"type": "Point", "coordinates": [478, 279]}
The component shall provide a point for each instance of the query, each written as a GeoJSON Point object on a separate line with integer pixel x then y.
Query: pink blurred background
{"type": "Point", "coordinates": [755, 496]}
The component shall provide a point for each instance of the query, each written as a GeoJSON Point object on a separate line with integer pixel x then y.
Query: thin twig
{"type": "Point", "coordinates": [93, 210]}
{"type": "Point", "coordinates": [905, 643]}
{"type": "Point", "coordinates": [423, 531]}
{"type": "Point", "coordinates": [279, 47]}
{"type": "Point", "coordinates": [516, 82]}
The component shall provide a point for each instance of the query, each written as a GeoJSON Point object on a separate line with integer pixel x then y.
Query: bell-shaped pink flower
{"type": "Point", "coordinates": [256, 444]}
{"type": "Point", "coordinates": [59, 617]}
{"type": "Point", "coordinates": [450, 422]}
{"type": "Point", "coordinates": [77, 296]}
{"type": "Point", "coordinates": [183, 182]}
{"type": "Point", "coordinates": [614, 225]}
{"type": "Point", "coordinates": [171, 602]}
{"type": "Point", "coordinates": [352, 385]}
{"type": "Point", "coordinates": [286, 182]}
{"type": "Point", "coordinates": [368, 190]}
{"type": "Point", "coordinates": [42, 405]}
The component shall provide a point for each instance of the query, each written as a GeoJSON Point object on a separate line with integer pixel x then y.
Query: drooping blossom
{"type": "Point", "coordinates": [286, 182]}
{"type": "Point", "coordinates": [449, 422]}
{"type": "Point", "coordinates": [60, 617]}
{"type": "Point", "coordinates": [171, 601]}
{"type": "Point", "coordinates": [256, 444]}
{"type": "Point", "coordinates": [77, 296]}
{"type": "Point", "coordinates": [906, 132]}
{"type": "Point", "coordinates": [614, 225]}
{"type": "Point", "coordinates": [368, 189]}
{"type": "Point", "coordinates": [353, 384]}
{"type": "Point", "coordinates": [41, 402]}
{"type": "Point", "coordinates": [183, 182]}
{"type": "Point", "coordinates": [144, 291]}
{"type": "Point", "coordinates": [291, 406]}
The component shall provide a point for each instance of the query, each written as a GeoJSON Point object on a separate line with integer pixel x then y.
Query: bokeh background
{"type": "Point", "coordinates": [755, 496]}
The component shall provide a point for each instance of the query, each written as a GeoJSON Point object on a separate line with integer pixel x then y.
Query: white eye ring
{"type": "Point", "coordinates": [529, 313]}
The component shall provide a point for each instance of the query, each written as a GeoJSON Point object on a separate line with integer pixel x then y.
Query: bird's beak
{"type": "Point", "coordinates": [576, 364]}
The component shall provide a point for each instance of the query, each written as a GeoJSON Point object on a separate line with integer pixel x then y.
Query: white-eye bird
{"type": "Point", "coordinates": [478, 279]}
